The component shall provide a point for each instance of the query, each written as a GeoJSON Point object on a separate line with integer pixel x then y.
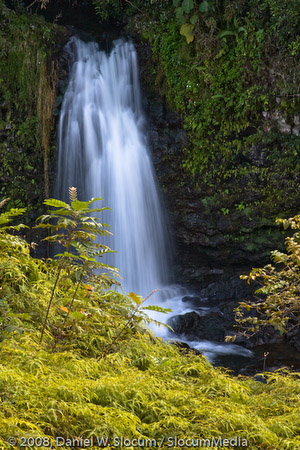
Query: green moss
{"type": "Point", "coordinates": [229, 84]}
{"type": "Point", "coordinates": [27, 45]}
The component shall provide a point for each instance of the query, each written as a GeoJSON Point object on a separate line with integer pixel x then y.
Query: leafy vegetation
{"type": "Point", "coordinates": [278, 303]}
{"type": "Point", "coordinates": [75, 230]}
{"type": "Point", "coordinates": [115, 10]}
{"type": "Point", "coordinates": [91, 385]}
{"type": "Point", "coordinates": [97, 370]}
{"type": "Point", "coordinates": [219, 82]}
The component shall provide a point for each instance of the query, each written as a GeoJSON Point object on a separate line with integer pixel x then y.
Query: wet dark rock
{"type": "Point", "coordinates": [233, 288]}
{"type": "Point", "coordinates": [193, 301]}
{"type": "Point", "coordinates": [261, 379]}
{"type": "Point", "coordinates": [192, 326]}
{"type": "Point", "coordinates": [265, 336]}
{"type": "Point", "coordinates": [295, 341]}
{"type": "Point", "coordinates": [272, 357]}
{"type": "Point", "coordinates": [216, 272]}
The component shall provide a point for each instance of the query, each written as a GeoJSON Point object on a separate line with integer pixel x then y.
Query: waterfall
{"type": "Point", "coordinates": [103, 152]}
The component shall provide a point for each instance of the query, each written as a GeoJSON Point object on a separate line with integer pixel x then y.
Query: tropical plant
{"type": "Point", "coordinates": [5, 219]}
{"type": "Point", "coordinates": [138, 315]}
{"type": "Point", "coordinates": [14, 269]}
{"type": "Point", "coordinates": [278, 303]}
{"type": "Point", "coordinates": [78, 286]}
{"type": "Point", "coordinates": [75, 229]}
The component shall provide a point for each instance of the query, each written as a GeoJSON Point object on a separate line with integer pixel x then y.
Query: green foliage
{"type": "Point", "coordinates": [116, 10]}
{"type": "Point", "coordinates": [81, 309]}
{"type": "Point", "coordinates": [108, 376]}
{"type": "Point", "coordinates": [17, 272]}
{"type": "Point", "coordinates": [75, 230]}
{"type": "Point", "coordinates": [281, 18]}
{"type": "Point", "coordinates": [212, 85]}
{"type": "Point", "coordinates": [278, 303]}
{"type": "Point", "coordinates": [232, 84]}
{"type": "Point", "coordinates": [106, 9]}
{"type": "Point", "coordinates": [139, 315]}
{"type": "Point", "coordinates": [27, 44]}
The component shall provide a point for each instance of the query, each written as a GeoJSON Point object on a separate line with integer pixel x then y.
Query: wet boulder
{"type": "Point", "coordinates": [192, 326]}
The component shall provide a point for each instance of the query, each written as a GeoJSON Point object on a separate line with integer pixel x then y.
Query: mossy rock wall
{"type": "Point", "coordinates": [28, 48]}
{"type": "Point", "coordinates": [234, 90]}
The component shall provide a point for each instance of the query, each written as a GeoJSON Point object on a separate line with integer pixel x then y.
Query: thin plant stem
{"type": "Point", "coordinates": [50, 303]}
{"type": "Point", "coordinates": [265, 359]}
{"type": "Point", "coordinates": [68, 313]}
{"type": "Point", "coordinates": [117, 336]}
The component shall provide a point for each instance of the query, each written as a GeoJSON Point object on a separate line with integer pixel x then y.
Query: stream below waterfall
{"type": "Point", "coordinates": [102, 150]}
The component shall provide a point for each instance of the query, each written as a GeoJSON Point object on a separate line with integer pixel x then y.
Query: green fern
{"type": "Point", "coordinates": [75, 229]}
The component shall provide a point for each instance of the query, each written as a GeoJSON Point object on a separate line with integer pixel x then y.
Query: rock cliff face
{"type": "Point", "coordinates": [220, 232]}
{"type": "Point", "coordinates": [204, 257]}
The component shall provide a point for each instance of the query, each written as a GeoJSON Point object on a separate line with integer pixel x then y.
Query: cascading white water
{"type": "Point", "coordinates": [102, 151]}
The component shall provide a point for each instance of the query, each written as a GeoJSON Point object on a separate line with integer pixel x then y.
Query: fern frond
{"type": "Point", "coordinates": [56, 203]}
{"type": "Point", "coordinates": [73, 194]}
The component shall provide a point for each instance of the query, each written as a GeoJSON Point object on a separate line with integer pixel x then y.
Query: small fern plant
{"type": "Point", "coordinates": [6, 229]}
{"type": "Point", "coordinates": [138, 315]}
{"type": "Point", "coordinates": [14, 254]}
{"type": "Point", "coordinates": [75, 228]}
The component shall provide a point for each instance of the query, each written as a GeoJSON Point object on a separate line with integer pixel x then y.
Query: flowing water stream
{"type": "Point", "coordinates": [103, 152]}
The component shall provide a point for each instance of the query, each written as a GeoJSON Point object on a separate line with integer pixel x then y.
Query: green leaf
{"type": "Point", "coordinates": [43, 225]}
{"type": "Point", "coordinates": [187, 6]}
{"type": "Point", "coordinates": [77, 315]}
{"type": "Point", "coordinates": [56, 203]}
{"type": "Point", "coordinates": [204, 7]}
{"type": "Point", "coordinates": [157, 308]}
{"type": "Point", "coordinates": [78, 205]}
{"type": "Point", "coordinates": [176, 3]}
{"type": "Point", "coordinates": [193, 19]}
{"type": "Point", "coordinates": [243, 29]}
{"type": "Point", "coordinates": [227, 33]}
{"type": "Point", "coordinates": [187, 30]}
{"type": "Point", "coordinates": [95, 199]}
{"type": "Point", "coordinates": [67, 255]}
{"type": "Point", "coordinates": [179, 13]}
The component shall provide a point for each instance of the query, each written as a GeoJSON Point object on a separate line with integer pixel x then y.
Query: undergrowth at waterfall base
{"type": "Point", "coordinates": [136, 387]}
